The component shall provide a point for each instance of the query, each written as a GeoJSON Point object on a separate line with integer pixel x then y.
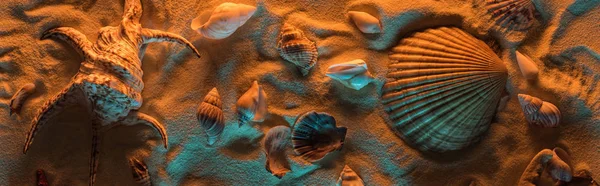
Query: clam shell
{"type": "Point", "coordinates": [252, 105]}
{"type": "Point", "coordinates": [16, 102]}
{"type": "Point", "coordinates": [511, 14]}
{"type": "Point", "coordinates": [443, 89]}
{"type": "Point", "coordinates": [210, 116]}
{"type": "Point", "coordinates": [538, 112]}
{"type": "Point", "coordinates": [296, 48]}
{"type": "Point", "coordinates": [276, 142]}
{"type": "Point", "coordinates": [139, 172]}
{"type": "Point", "coordinates": [365, 22]}
{"type": "Point", "coordinates": [558, 167]}
{"type": "Point", "coordinates": [315, 135]}
{"type": "Point", "coordinates": [528, 67]}
{"type": "Point", "coordinates": [349, 178]}
{"type": "Point", "coordinates": [353, 74]}
{"type": "Point", "coordinates": [41, 178]}
{"type": "Point", "coordinates": [224, 20]}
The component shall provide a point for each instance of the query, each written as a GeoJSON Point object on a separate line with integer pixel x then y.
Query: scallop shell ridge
{"type": "Point", "coordinates": [315, 134]}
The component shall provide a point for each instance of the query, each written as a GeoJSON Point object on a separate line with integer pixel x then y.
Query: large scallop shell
{"type": "Point", "coordinates": [224, 20]}
{"type": "Point", "coordinates": [315, 135]}
{"type": "Point", "coordinates": [139, 172]}
{"type": "Point", "coordinates": [276, 142]}
{"type": "Point", "coordinates": [511, 14]}
{"type": "Point", "coordinates": [443, 89]}
{"type": "Point", "coordinates": [252, 105]}
{"type": "Point", "coordinates": [349, 178]}
{"type": "Point", "coordinates": [538, 112]}
{"type": "Point", "coordinates": [210, 116]}
{"type": "Point", "coordinates": [296, 48]}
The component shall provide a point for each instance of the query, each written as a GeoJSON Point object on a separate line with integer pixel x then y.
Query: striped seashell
{"type": "Point", "coordinates": [252, 105]}
{"type": "Point", "coordinates": [210, 116]}
{"type": "Point", "coordinates": [296, 48]}
{"type": "Point", "coordinates": [349, 178]}
{"type": "Point", "coordinates": [41, 178]}
{"type": "Point", "coordinates": [315, 135]}
{"type": "Point", "coordinates": [16, 102]}
{"type": "Point", "coordinates": [224, 20]}
{"type": "Point", "coordinates": [511, 14]}
{"type": "Point", "coordinates": [527, 66]}
{"type": "Point", "coordinates": [538, 112]}
{"type": "Point", "coordinates": [276, 142]}
{"type": "Point", "coordinates": [140, 172]}
{"type": "Point", "coordinates": [443, 89]}
{"type": "Point", "coordinates": [365, 22]}
{"type": "Point", "coordinates": [558, 167]}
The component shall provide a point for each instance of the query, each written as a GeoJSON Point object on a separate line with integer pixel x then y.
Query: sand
{"type": "Point", "coordinates": [563, 42]}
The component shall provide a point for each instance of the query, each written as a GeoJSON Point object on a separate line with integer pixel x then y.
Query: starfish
{"type": "Point", "coordinates": [109, 81]}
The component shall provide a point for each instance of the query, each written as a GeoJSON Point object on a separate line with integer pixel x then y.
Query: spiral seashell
{"type": "Point", "coordinates": [41, 178]}
{"type": "Point", "coordinates": [16, 102]}
{"type": "Point", "coordinates": [538, 112]}
{"type": "Point", "coordinates": [528, 67]}
{"type": "Point", "coordinates": [140, 172]}
{"type": "Point", "coordinates": [252, 106]}
{"type": "Point", "coordinates": [443, 89]}
{"type": "Point", "coordinates": [224, 20]}
{"type": "Point", "coordinates": [353, 74]}
{"type": "Point", "coordinates": [275, 145]}
{"type": "Point", "coordinates": [511, 14]}
{"type": "Point", "coordinates": [315, 135]}
{"type": "Point", "coordinates": [349, 178]}
{"type": "Point", "coordinates": [210, 116]}
{"type": "Point", "coordinates": [558, 166]}
{"type": "Point", "coordinates": [365, 22]}
{"type": "Point", "coordinates": [296, 48]}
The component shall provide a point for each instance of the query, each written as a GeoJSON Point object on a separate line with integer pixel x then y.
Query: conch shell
{"type": "Point", "coordinates": [511, 14]}
{"type": "Point", "coordinates": [16, 102]}
{"type": "Point", "coordinates": [365, 22]}
{"type": "Point", "coordinates": [538, 112]}
{"type": "Point", "coordinates": [528, 67]}
{"type": "Point", "coordinates": [41, 178]}
{"type": "Point", "coordinates": [315, 135]}
{"type": "Point", "coordinates": [294, 47]}
{"type": "Point", "coordinates": [210, 116]}
{"type": "Point", "coordinates": [353, 74]}
{"type": "Point", "coordinates": [349, 178]}
{"type": "Point", "coordinates": [140, 172]}
{"type": "Point", "coordinates": [224, 20]}
{"type": "Point", "coordinates": [276, 142]}
{"type": "Point", "coordinates": [252, 106]}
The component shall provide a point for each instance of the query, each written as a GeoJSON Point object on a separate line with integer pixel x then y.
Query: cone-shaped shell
{"type": "Point", "coordinates": [443, 89]}
{"type": "Point", "coordinates": [16, 102]}
{"type": "Point", "coordinates": [315, 135]}
{"type": "Point", "coordinates": [41, 178]}
{"type": "Point", "coordinates": [252, 105]}
{"type": "Point", "coordinates": [210, 116]}
{"type": "Point", "coordinates": [224, 20]}
{"type": "Point", "coordinates": [511, 14]}
{"type": "Point", "coordinates": [296, 48]}
{"type": "Point", "coordinates": [365, 22]}
{"type": "Point", "coordinates": [538, 112]}
{"type": "Point", "coordinates": [276, 142]}
{"type": "Point", "coordinates": [353, 74]}
{"type": "Point", "coordinates": [528, 67]}
{"type": "Point", "coordinates": [558, 166]}
{"type": "Point", "coordinates": [139, 172]}
{"type": "Point", "coordinates": [349, 178]}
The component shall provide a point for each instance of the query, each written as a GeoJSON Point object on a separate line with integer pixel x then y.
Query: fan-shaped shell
{"type": "Point", "coordinates": [365, 22]}
{"type": "Point", "coordinates": [210, 116]}
{"type": "Point", "coordinates": [511, 14]}
{"type": "Point", "coordinates": [276, 142]}
{"type": "Point", "coordinates": [16, 102]}
{"type": "Point", "coordinates": [41, 178]}
{"type": "Point", "coordinates": [224, 20]}
{"type": "Point", "coordinates": [528, 67]}
{"type": "Point", "coordinates": [443, 89]}
{"type": "Point", "coordinates": [353, 74]}
{"type": "Point", "coordinates": [558, 166]}
{"type": "Point", "coordinates": [349, 178]}
{"type": "Point", "coordinates": [315, 135]}
{"type": "Point", "coordinates": [252, 105]}
{"type": "Point", "coordinates": [296, 48]}
{"type": "Point", "coordinates": [139, 172]}
{"type": "Point", "coordinates": [538, 112]}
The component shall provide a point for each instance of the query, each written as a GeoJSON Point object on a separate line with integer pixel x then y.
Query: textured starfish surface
{"type": "Point", "coordinates": [109, 81]}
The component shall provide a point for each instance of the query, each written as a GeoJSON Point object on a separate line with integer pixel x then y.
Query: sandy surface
{"type": "Point", "coordinates": [564, 43]}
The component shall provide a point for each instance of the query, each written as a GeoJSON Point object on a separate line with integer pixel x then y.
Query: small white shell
{"type": "Point", "coordinates": [353, 74]}
{"type": "Point", "coordinates": [365, 22]}
{"type": "Point", "coordinates": [210, 116]}
{"type": "Point", "coordinates": [224, 20]}
{"type": "Point", "coordinates": [528, 67]}
{"type": "Point", "coordinates": [140, 172]}
{"type": "Point", "coordinates": [296, 48]}
{"type": "Point", "coordinates": [349, 178]}
{"type": "Point", "coordinates": [558, 166]}
{"type": "Point", "coordinates": [252, 105]}
{"type": "Point", "coordinates": [16, 102]}
{"type": "Point", "coordinates": [538, 112]}
{"type": "Point", "coordinates": [276, 142]}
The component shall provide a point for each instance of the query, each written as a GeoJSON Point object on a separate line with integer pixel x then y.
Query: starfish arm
{"type": "Point", "coordinates": [73, 37]}
{"type": "Point", "coordinates": [135, 117]}
{"type": "Point", "coordinates": [150, 36]}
